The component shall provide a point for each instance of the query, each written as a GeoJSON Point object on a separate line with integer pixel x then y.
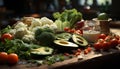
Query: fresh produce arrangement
{"type": "Point", "coordinates": [44, 41]}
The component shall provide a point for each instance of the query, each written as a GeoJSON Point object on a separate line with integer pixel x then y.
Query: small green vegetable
{"type": "Point", "coordinates": [103, 16]}
{"type": "Point", "coordinates": [55, 58]}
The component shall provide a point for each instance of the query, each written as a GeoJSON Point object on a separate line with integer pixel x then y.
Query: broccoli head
{"type": "Point", "coordinates": [46, 38]}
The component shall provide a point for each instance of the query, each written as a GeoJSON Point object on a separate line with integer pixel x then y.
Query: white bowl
{"type": "Point", "coordinates": [91, 36]}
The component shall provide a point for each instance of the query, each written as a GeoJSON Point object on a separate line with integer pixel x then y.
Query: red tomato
{"type": "Point", "coordinates": [108, 38]}
{"type": "Point", "coordinates": [78, 50]}
{"type": "Point", "coordinates": [89, 49]}
{"type": "Point", "coordinates": [72, 30]}
{"type": "Point", "coordinates": [101, 40]}
{"type": "Point", "coordinates": [6, 36]}
{"type": "Point", "coordinates": [114, 42]}
{"type": "Point", "coordinates": [3, 57]}
{"type": "Point", "coordinates": [102, 36]}
{"type": "Point", "coordinates": [97, 45]}
{"type": "Point", "coordinates": [86, 51]}
{"type": "Point", "coordinates": [105, 45]}
{"type": "Point", "coordinates": [66, 28]}
{"type": "Point", "coordinates": [13, 58]}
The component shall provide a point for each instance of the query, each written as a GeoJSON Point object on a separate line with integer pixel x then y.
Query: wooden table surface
{"type": "Point", "coordinates": [74, 63]}
{"type": "Point", "coordinates": [115, 30]}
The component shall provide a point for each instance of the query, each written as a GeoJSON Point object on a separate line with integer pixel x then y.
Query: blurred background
{"type": "Point", "coordinates": [10, 9]}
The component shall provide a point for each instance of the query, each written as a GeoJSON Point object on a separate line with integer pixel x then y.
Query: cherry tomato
{"type": "Point", "coordinates": [72, 30]}
{"type": "Point", "coordinates": [6, 36]}
{"type": "Point", "coordinates": [108, 38]}
{"type": "Point", "coordinates": [3, 57]}
{"type": "Point", "coordinates": [86, 51]}
{"type": "Point", "coordinates": [78, 50]}
{"type": "Point", "coordinates": [102, 36]}
{"type": "Point", "coordinates": [66, 28]}
{"type": "Point", "coordinates": [89, 49]}
{"type": "Point", "coordinates": [114, 42]}
{"type": "Point", "coordinates": [105, 45]}
{"type": "Point", "coordinates": [13, 58]}
{"type": "Point", "coordinates": [101, 40]}
{"type": "Point", "coordinates": [97, 45]}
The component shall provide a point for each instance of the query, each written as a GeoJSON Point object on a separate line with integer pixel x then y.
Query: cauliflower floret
{"type": "Point", "coordinates": [21, 32]}
{"type": "Point", "coordinates": [30, 32]}
{"type": "Point", "coordinates": [12, 31]}
{"type": "Point", "coordinates": [35, 28]}
{"type": "Point", "coordinates": [46, 26]}
{"type": "Point", "coordinates": [46, 20]}
{"type": "Point", "coordinates": [20, 24]}
{"type": "Point", "coordinates": [27, 20]}
{"type": "Point", "coordinates": [53, 26]}
{"type": "Point", "coordinates": [35, 22]}
{"type": "Point", "coordinates": [28, 38]}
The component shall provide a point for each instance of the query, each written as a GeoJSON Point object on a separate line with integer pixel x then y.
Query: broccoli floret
{"type": "Point", "coordinates": [40, 30]}
{"type": "Point", "coordinates": [48, 30]}
{"type": "Point", "coordinates": [46, 38]}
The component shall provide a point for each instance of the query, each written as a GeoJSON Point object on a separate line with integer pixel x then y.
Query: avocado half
{"type": "Point", "coordinates": [65, 43]}
{"type": "Point", "coordinates": [79, 40]}
{"type": "Point", "coordinates": [65, 46]}
{"type": "Point", "coordinates": [41, 52]}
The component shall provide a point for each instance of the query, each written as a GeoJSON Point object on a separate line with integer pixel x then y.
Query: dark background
{"type": "Point", "coordinates": [12, 9]}
{"type": "Point", "coordinates": [42, 7]}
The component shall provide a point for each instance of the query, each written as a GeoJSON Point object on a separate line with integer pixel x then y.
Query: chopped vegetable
{"type": "Point", "coordinates": [55, 58]}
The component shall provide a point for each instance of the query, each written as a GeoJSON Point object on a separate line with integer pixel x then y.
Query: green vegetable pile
{"type": "Point", "coordinates": [45, 36]}
{"type": "Point", "coordinates": [19, 47]}
{"type": "Point", "coordinates": [67, 18]}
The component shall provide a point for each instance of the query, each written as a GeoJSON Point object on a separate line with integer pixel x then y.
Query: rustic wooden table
{"type": "Point", "coordinates": [109, 60]}
{"type": "Point", "coordinates": [115, 30]}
